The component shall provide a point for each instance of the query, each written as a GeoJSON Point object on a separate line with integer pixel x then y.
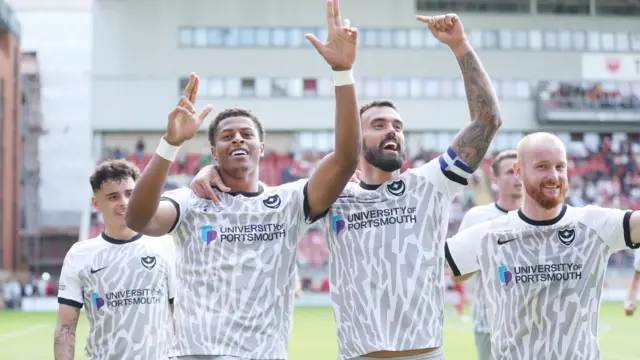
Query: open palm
{"type": "Point", "coordinates": [339, 50]}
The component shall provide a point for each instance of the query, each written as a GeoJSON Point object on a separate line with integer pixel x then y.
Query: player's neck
{"type": "Point", "coordinates": [533, 210]}
{"type": "Point", "coordinates": [119, 232]}
{"type": "Point", "coordinates": [509, 203]}
{"type": "Point", "coordinates": [371, 175]}
{"type": "Point", "coordinates": [249, 183]}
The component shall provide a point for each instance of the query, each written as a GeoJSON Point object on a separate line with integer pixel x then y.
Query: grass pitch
{"type": "Point", "coordinates": [29, 336]}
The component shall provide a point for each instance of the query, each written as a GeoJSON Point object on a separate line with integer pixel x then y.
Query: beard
{"type": "Point", "coordinates": [547, 202]}
{"type": "Point", "coordinates": [388, 162]}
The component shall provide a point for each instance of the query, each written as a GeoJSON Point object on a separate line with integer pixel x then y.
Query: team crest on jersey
{"type": "Point", "coordinates": [149, 262]}
{"type": "Point", "coordinates": [567, 236]}
{"type": "Point", "coordinates": [396, 188]}
{"type": "Point", "coordinates": [272, 202]}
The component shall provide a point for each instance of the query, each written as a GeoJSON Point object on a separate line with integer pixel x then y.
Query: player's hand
{"type": "Point", "coordinates": [446, 28]}
{"type": "Point", "coordinates": [629, 307]}
{"type": "Point", "coordinates": [340, 48]}
{"type": "Point", "coordinates": [207, 178]}
{"type": "Point", "coordinates": [299, 291]}
{"type": "Point", "coordinates": [356, 177]}
{"type": "Point", "coordinates": [183, 121]}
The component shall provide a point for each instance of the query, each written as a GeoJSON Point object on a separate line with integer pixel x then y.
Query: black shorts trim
{"type": "Point", "coordinates": [307, 209]}
{"type": "Point", "coordinates": [452, 264]}
{"type": "Point", "coordinates": [626, 227]}
{"type": "Point", "coordinates": [68, 302]}
{"type": "Point", "coordinates": [175, 204]}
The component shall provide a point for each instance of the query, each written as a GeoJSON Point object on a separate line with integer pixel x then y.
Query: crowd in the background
{"type": "Point", "coordinates": [606, 175]}
{"type": "Point", "coordinates": [587, 95]}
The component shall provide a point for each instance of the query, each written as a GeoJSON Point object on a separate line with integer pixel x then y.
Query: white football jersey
{"type": "Point", "coordinates": [236, 268]}
{"type": "Point", "coordinates": [474, 216]}
{"type": "Point", "coordinates": [543, 279]}
{"type": "Point", "coordinates": [636, 260]}
{"type": "Point", "coordinates": [126, 288]}
{"type": "Point", "coordinates": [386, 254]}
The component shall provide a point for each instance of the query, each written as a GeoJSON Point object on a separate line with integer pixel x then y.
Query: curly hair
{"type": "Point", "coordinates": [234, 112]}
{"type": "Point", "coordinates": [111, 170]}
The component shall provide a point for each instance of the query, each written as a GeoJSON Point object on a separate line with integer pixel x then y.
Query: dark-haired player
{"type": "Point", "coordinates": [543, 266]}
{"type": "Point", "coordinates": [124, 280]}
{"type": "Point", "coordinates": [386, 235]}
{"type": "Point", "coordinates": [236, 260]}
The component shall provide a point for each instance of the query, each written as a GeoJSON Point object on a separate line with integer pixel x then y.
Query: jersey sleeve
{"type": "Point", "coordinates": [180, 200]}
{"type": "Point", "coordinates": [612, 225]}
{"type": "Point", "coordinates": [467, 220]}
{"type": "Point", "coordinates": [462, 250]}
{"type": "Point", "coordinates": [448, 171]}
{"type": "Point", "coordinates": [70, 286]}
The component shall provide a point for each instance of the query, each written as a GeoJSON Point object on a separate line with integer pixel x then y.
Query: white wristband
{"type": "Point", "coordinates": [166, 150]}
{"type": "Point", "coordinates": [341, 78]}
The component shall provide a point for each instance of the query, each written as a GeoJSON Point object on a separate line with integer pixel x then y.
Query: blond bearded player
{"type": "Point", "coordinates": [543, 266]}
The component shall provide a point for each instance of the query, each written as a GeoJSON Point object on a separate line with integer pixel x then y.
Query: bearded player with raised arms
{"type": "Point", "coordinates": [386, 234]}
{"type": "Point", "coordinates": [236, 259]}
{"type": "Point", "coordinates": [543, 266]}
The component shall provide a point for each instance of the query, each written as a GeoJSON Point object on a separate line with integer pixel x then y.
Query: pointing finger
{"type": "Point", "coordinates": [314, 41]}
{"type": "Point", "coordinates": [424, 19]}
{"type": "Point", "coordinates": [336, 13]}
{"type": "Point", "coordinates": [331, 21]}
{"type": "Point", "coordinates": [194, 92]}
{"type": "Point", "coordinates": [190, 85]}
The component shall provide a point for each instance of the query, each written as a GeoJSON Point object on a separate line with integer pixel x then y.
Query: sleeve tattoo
{"type": "Point", "coordinates": [65, 339]}
{"type": "Point", "coordinates": [472, 142]}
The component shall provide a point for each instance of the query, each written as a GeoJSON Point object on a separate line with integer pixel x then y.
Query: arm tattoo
{"type": "Point", "coordinates": [64, 344]}
{"type": "Point", "coordinates": [472, 142]}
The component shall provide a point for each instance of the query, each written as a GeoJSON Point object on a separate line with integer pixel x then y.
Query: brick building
{"type": "Point", "coordinates": [11, 257]}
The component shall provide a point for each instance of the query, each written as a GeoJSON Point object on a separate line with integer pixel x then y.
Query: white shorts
{"type": "Point", "coordinates": [434, 355]}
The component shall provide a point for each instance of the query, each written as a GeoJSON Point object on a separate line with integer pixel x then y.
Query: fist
{"type": "Point", "coordinates": [629, 308]}
{"type": "Point", "coordinates": [446, 28]}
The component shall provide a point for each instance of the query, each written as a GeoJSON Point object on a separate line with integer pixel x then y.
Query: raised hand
{"type": "Point", "coordinates": [446, 28]}
{"type": "Point", "coordinates": [340, 48]}
{"type": "Point", "coordinates": [183, 121]}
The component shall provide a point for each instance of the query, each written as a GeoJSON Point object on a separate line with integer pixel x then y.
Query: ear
{"type": "Point", "coordinates": [95, 204]}
{"type": "Point", "coordinates": [261, 149]}
{"type": "Point", "coordinates": [214, 153]}
{"type": "Point", "coordinates": [517, 171]}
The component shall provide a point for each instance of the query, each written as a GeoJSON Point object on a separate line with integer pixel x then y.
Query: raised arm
{"type": "Point", "coordinates": [472, 142]}
{"type": "Point", "coordinates": [64, 343]}
{"type": "Point", "coordinates": [336, 169]}
{"type": "Point", "coordinates": [145, 212]}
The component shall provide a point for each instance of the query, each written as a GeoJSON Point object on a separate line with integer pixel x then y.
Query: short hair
{"type": "Point", "coordinates": [507, 154]}
{"type": "Point", "coordinates": [111, 170]}
{"type": "Point", "coordinates": [234, 112]}
{"type": "Point", "coordinates": [378, 103]}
